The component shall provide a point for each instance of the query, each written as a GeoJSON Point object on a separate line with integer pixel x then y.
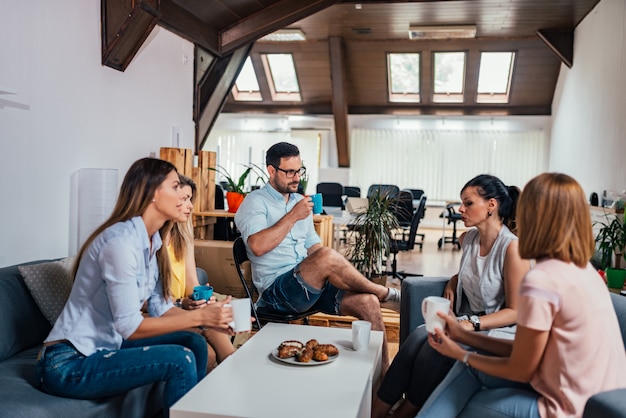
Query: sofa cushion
{"type": "Point", "coordinates": [50, 284]}
{"type": "Point", "coordinates": [22, 325]}
{"type": "Point", "coordinates": [20, 396]}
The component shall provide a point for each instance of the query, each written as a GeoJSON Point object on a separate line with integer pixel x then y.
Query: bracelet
{"type": "Point", "coordinates": [466, 357]}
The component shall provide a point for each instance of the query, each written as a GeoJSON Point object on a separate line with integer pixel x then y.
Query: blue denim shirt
{"type": "Point", "coordinates": [117, 273]}
{"type": "Point", "coordinates": [260, 210]}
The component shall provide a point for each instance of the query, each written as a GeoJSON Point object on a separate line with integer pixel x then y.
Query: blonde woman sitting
{"type": "Point", "coordinates": [178, 239]}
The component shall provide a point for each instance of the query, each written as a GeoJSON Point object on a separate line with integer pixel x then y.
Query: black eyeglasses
{"type": "Point", "coordinates": [291, 173]}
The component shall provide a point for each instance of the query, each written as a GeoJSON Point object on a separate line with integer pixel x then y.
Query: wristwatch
{"type": "Point", "coordinates": [475, 320]}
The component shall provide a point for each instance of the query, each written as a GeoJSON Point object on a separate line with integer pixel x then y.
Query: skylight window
{"type": "Point", "coordinates": [449, 77]}
{"type": "Point", "coordinates": [404, 77]}
{"type": "Point", "coordinates": [283, 80]}
{"type": "Point", "coordinates": [246, 87]}
{"type": "Point", "coordinates": [494, 77]}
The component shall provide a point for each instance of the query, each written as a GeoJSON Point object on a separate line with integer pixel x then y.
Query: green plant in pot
{"type": "Point", "coordinates": [610, 243]}
{"type": "Point", "coordinates": [235, 189]}
{"type": "Point", "coordinates": [374, 227]}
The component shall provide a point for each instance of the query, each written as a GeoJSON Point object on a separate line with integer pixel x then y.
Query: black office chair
{"type": "Point", "coordinates": [352, 191]}
{"type": "Point", "coordinates": [331, 193]}
{"type": "Point", "coordinates": [262, 315]}
{"type": "Point", "coordinates": [388, 190]}
{"type": "Point", "coordinates": [407, 242]}
{"type": "Point", "coordinates": [417, 193]}
{"type": "Point", "coordinates": [453, 216]}
{"type": "Point", "coordinates": [403, 208]}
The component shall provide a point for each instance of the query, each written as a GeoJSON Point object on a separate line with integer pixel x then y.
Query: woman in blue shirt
{"type": "Point", "coordinates": [101, 345]}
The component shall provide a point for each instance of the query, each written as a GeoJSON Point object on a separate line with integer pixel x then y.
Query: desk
{"type": "Point", "coordinates": [323, 223]}
{"type": "Point", "coordinates": [251, 383]}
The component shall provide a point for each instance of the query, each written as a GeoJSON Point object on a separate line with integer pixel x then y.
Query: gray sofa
{"type": "Point", "coordinates": [23, 327]}
{"type": "Point", "coordinates": [611, 404]}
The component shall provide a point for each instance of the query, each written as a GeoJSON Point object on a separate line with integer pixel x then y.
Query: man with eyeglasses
{"type": "Point", "coordinates": [291, 269]}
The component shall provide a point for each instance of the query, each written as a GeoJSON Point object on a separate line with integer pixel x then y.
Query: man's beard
{"type": "Point", "coordinates": [291, 187]}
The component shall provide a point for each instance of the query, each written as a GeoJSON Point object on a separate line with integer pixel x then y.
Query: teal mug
{"type": "Point", "coordinates": [317, 203]}
{"type": "Point", "coordinates": [202, 293]}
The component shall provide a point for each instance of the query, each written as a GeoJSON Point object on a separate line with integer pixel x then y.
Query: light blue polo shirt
{"type": "Point", "coordinates": [261, 209]}
{"type": "Point", "coordinates": [117, 273]}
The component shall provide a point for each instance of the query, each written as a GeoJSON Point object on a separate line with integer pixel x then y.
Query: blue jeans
{"type": "Point", "coordinates": [468, 393]}
{"type": "Point", "coordinates": [179, 359]}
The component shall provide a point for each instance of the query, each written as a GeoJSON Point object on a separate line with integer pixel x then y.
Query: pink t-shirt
{"type": "Point", "coordinates": [584, 354]}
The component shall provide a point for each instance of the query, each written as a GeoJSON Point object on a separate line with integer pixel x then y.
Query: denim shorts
{"type": "Point", "coordinates": [289, 293]}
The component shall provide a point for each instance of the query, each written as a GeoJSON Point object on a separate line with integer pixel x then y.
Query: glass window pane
{"type": "Point", "coordinates": [404, 73]}
{"type": "Point", "coordinates": [283, 73]}
{"type": "Point", "coordinates": [495, 72]}
{"type": "Point", "coordinates": [247, 81]}
{"type": "Point", "coordinates": [449, 72]}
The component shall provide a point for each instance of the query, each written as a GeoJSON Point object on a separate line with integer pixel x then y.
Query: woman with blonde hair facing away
{"type": "Point", "coordinates": [101, 345]}
{"type": "Point", "coordinates": [568, 344]}
{"type": "Point", "coordinates": [178, 239]}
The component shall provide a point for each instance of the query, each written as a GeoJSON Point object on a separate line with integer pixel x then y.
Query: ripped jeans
{"type": "Point", "coordinates": [179, 359]}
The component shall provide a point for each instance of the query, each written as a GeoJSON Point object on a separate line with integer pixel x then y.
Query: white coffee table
{"type": "Point", "coordinates": [251, 383]}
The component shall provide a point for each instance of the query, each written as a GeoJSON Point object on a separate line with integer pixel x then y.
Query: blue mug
{"type": "Point", "coordinates": [202, 293]}
{"type": "Point", "coordinates": [317, 203]}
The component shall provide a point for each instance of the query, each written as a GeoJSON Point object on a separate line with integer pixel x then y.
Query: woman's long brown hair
{"type": "Point", "coordinates": [138, 188]}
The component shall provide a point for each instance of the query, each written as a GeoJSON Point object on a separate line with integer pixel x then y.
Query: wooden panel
{"type": "Point", "coordinates": [182, 158]}
{"type": "Point", "coordinates": [204, 178]}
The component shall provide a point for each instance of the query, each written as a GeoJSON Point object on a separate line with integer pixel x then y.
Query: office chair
{"type": "Point", "coordinates": [262, 315]}
{"type": "Point", "coordinates": [417, 193]}
{"type": "Point", "coordinates": [388, 190]}
{"type": "Point", "coordinates": [453, 216]}
{"type": "Point", "coordinates": [352, 191]}
{"type": "Point", "coordinates": [403, 209]}
{"type": "Point", "coordinates": [407, 242]}
{"type": "Point", "coordinates": [331, 194]}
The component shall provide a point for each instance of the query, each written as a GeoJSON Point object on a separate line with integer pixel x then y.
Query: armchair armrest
{"type": "Point", "coordinates": [414, 290]}
{"type": "Point", "coordinates": [609, 404]}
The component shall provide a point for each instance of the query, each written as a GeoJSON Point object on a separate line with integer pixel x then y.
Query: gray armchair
{"type": "Point", "coordinates": [610, 404]}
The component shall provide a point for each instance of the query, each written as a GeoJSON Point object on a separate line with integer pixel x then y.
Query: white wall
{"type": "Point", "coordinates": [67, 112]}
{"type": "Point", "coordinates": [589, 109]}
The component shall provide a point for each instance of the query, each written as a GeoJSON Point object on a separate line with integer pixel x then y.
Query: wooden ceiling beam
{"type": "Point", "coordinates": [340, 101]}
{"type": "Point", "coordinates": [125, 26]}
{"type": "Point", "coordinates": [190, 27]}
{"type": "Point", "coordinates": [268, 20]}
{"type": "Point", "coordinates": [212, 91]}
{"type": "Point", "coordinates": [561, 42]}
{"type": "Point", "coordinates": [393, 109]}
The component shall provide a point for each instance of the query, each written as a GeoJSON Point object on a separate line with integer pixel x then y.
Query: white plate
{"type": "Point", "coordinates": [293, 361]}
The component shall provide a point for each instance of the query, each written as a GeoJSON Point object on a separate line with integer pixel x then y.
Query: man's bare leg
{"type": "Point", "coordinates": [365, 306]}
{"type": "Point", "coordinates": [327, 265]}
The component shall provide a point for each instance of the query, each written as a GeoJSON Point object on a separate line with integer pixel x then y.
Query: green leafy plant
{"type": "Point", "coordinates": [304, 182]}
{"type": "Point", "coordinates": [370, 248]}
{"type": "Point", "coordinates": [611, 239]}
{"type": "Point", "coordinates": [237, 186]}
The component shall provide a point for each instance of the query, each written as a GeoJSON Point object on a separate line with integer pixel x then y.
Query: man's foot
{"type": "Point", "coordinates": [393, 295]}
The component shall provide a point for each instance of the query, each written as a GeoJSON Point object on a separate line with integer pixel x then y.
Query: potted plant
{"type": "Point", "coordinates": [372, 243]}
{"type": "Point", "coordinates": [235, 190]}
{"type": "Point", "coordinates": [304, 181]}
{"type": "Point", "coordinates": [611, 240]}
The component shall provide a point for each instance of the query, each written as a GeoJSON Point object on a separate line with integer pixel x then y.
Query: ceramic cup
{"type": "Point", "coordinates": [317, 203]}
{"type": "Point", "coordinates": [241, 315]}
{"type": "Point", "coordinates": [202, 293]}
{"type": "Point", "coordinates": [361, 335]}
{"type": "Point", "coordinates": [430, 306]}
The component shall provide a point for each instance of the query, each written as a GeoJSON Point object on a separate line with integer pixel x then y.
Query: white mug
{"type": "Point", "coordinates": [361, 335]}
{"type": "Point", "coordinates": [430, 306]}
{"type": "Point", "coordinates": [241, 314]}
